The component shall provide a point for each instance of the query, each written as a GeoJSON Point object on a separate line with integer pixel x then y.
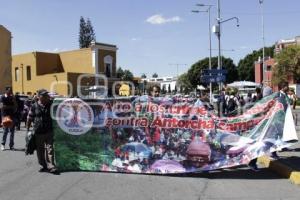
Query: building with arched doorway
{"type": "Point", "coordinates": [60, 72]}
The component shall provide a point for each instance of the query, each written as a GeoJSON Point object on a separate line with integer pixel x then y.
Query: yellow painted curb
{"type": "Point", "coordinates": [281, 169]}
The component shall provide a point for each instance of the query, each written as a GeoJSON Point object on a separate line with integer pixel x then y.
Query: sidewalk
{"type": "Point", "coordinates": [288, 165]}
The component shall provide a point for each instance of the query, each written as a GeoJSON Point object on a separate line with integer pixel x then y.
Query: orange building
{"type": "Point", "coordinates": [5, 58]}
{"type": "Point", "coordinates": [59, 72]}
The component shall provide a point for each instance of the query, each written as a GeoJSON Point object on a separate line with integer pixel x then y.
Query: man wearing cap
{"type": "Point", "coordinates": [9, 107]}
{"type": "Point", "coordinates": [40, 114]}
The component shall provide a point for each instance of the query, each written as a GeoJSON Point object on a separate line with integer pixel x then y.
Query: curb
{"type": "Point", "coordinates": [281, 168]}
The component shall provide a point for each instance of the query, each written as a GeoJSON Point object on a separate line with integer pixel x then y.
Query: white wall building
{"type": "Point", "coordinates": [163, 82]}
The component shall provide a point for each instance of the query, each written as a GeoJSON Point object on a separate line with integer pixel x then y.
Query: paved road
{"type": "Point", "coordinates": [20, 179]}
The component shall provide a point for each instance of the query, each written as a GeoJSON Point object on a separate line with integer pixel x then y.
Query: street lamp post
{"type": "Point", "coordinates": [177, 66]}
{"type": "Point", "coordinates": [209, 36]}
{"type": "Point", "coordinates": [263, 37]}
{"type": "Point", "coordinates": [217, 31]}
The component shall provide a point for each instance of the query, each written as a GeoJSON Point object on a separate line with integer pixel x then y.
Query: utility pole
{"type": "Point", "coordinates": [219, 40]}
{"type": "Point", "coordinates": [217, 31]}
{"type": "Point", "coordinates": [263, 37]}
{"type": "Point", "coordinates": [209, 37]}
{"type": "Point", "coordinates": [177, 66]}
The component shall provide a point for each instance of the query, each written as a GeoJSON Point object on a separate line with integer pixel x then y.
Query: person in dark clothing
{"type": "Point", "coordinates": [20, 107]}
{"type": "Point", "coordinates": [9, 107]}
{"type": "Point", "coordinates": [40, 114]}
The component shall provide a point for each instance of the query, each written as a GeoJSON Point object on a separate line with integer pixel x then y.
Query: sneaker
{"type": "Point", "coordinates": [2, 147]}
{"type": "Point", "coordinates": [54, 171]}
{"type": "Point", "coordinates": [43, 169]}
{"type": "Point", "coordinates": [12, 148]}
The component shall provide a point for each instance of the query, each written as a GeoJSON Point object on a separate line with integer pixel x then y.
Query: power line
{"type": "Point", "coordinates": [266, 13]}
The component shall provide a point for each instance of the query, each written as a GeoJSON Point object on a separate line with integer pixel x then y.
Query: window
{"type": "Point", "coordinates": [108, 72]}
{"type": "Point", "coordinates": [269, 68]}
{"type": "Point", "coordinates": [28, 73]}
{"type": "Point", "coordinates": [108, 63]}
{"type": "Point", "coordinates": [16, 74]}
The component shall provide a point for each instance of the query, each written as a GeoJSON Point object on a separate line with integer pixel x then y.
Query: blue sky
{"type": "Point", "coordinates": [152, 35]}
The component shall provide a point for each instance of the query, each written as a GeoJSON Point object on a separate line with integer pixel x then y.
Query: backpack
{"type": "Point", "coordinates": [231, 104]}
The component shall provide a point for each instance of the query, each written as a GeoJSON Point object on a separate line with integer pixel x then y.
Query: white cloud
{"type": "Point", "coordinates": [135, 39]}
{"type": "Point", "coordinates": [159, 19]}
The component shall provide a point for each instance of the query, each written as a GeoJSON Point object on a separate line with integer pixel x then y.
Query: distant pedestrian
{"type": "Point", "coordinates": [40, 114]}
{"type": "Point", "coordinates": [232, 103]}
{"type": "Point", "coordinates": [20, 107]}
{"type": "Point", "coordinates": [267, 90]}
{"type": "Point", "coordinates": [293, 99]}
{"type": "Point", "coordinates": [9, 108]}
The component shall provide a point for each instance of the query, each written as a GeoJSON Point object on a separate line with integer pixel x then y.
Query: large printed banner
{"type": "Point", "coordinates": [165, 135]}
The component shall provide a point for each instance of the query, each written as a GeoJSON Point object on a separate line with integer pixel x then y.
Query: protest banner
{"type": "Point", "coordinates": [165, 135]}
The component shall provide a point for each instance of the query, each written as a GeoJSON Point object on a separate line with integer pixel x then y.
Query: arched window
{"type": "Point", "coordinates": [108, 61]}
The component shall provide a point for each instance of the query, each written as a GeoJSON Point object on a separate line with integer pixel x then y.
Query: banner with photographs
{"type": "Point", "coordinates": [165, 134]}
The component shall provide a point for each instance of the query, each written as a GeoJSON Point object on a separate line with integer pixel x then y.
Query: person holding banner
{"type": "Point", "coordinates": [154, 91]}
{"type": "Point", "coordinates": [40, 114]}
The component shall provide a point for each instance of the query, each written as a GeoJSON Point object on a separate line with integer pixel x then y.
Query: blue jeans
{"type": "Point", "coordinates": [11, 138]}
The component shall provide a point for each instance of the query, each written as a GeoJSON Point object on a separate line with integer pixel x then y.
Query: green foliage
{"type": "Point", "coordinates": [195, 71]}
{"type": "Point", "coordinates": [143, 76]}
{"type": "Point", "coordinates": [127, 76]}
{"type": "Point", "coordinates": [120, 72]}
{"type": "Point", "coordinates": [86, 33]}
{"type": "Point", "coordinates": [84, 152]}
{"type": "Point", "coordinates": [288, 65]}
{"type": "Point", "coordinates": [155, 75]}
{"type": "Point", "coordinates": [124, 75]}
{"type": "Point", "coordinates": [246, 65]}
{"type": "Point", "coordinates": [184, 83]}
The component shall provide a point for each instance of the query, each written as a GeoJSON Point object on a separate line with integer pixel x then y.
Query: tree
{"type": "Point", "coordinates": [196, 69]}
{"type": "Point", "coordinates": [127, 76]}
{"type": "Point", "coordinates": [82, 32]}
{"type": "Point", "coordinates": [143, 76]}
{"type": "Point", "coordinates": [175, 89]}
{"type": "Point", "coordinates": [124, 75]}
{"type": "Point", "coordinates": [184, 82]}
{"type": "Point", "coordinates": [120, 72]}
{"type": "Point", "coordinates": [288, 65]}
{"type": "Point", "coordinates": [86, 33]}
{"type": "Point", "coordinates": [246, 65]}
{"type": "Point", "coordinates": [155, 75]}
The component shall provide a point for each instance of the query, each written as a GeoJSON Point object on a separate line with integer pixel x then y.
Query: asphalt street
{"type": "Point", "coordinates": [20, 179]}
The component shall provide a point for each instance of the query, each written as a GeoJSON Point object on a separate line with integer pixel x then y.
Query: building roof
{"type": "Point", "coordinates": [105, 44]}
{"type": "Point", "coordinates": [3, 28]}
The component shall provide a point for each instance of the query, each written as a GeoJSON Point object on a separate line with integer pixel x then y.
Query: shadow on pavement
{"type": "Point", "coordinates": [240, 173]}
{"type": "Point", "coordinates": [292, 161]}
{"type": "Point", "coordinates": [19, 149]}
{"type": "Point", "coordinates": [232, 173]}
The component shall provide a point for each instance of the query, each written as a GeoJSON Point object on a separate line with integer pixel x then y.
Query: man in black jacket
{"type": "Point", "coordinates": [9, 107]}
{"type": "Point", "coordinates": [40, 114]}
